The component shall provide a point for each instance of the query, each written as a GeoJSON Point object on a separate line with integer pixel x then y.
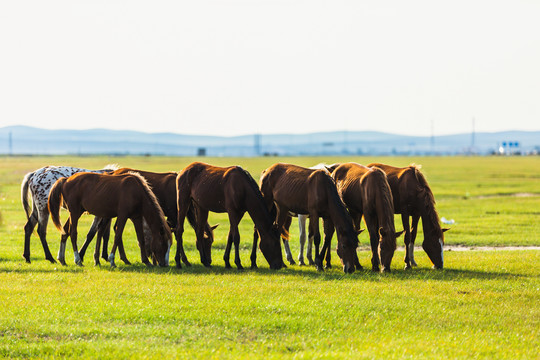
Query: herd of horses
{"type": "Point", "coordinates": [159, 203]}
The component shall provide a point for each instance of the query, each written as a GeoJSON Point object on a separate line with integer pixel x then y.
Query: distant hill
{"type": "Point", "coordinates": [28, 140]}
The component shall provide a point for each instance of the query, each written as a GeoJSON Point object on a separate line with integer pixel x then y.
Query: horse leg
{"type": "Point", "coordinates": [253, 256]}
{"type": "Point", "coordinates": [90, 236]}
{"type": "Point", "coordinates": [357, 217]}
{"type": "Point", "coordinates": [63, 240]}
{"type": "Point", "coordinates": [42, 232]}
{"type": "Point", "coordinates": [105, 238]}
{"type": "Point", "coordinates": [234, 237]}
{"type": "Point", "coordinates": [119, 229]}
{"type": "Point", "coordinates": [407, 239]}
{"type": "Point", "coordinates": [373, 230]}
{"type": "Point", "coordinates": [314, 232]}
{"type": "Point", "coordinates": [302, 231]}
{"type": "Point", "coordinates": [328, 227]}
{"type": "Point", "coordinates": [137, 223]}
{"type": "Point", "coordinates": [183, 204]}
{"type": "Point", "coordinates": [414, 230]}
{"type": "Point", "coordinates": [104, 231]}
{"type": "Point", "coordinates": [287, 226]}
{"type": "Point", "coordinates": [73, 227]}
{"type": "Point", "coordinates": [28, 230]}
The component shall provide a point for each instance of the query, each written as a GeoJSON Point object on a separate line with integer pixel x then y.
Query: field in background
{"type": "Point", "coordinates": [483, 305]}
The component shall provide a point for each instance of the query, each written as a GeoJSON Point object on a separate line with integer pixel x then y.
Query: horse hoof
{"type": "Point", "coordinates": [328, 266]}
{"type": "Point", "coordinates": [408, 267]}
{"type": "Point", "coordinates": [254, 266]}
{"type": "Point", "coordinates": [239, 267]}
{"type": "Point", "coordinates": [126, 261]}
{"type": "Point", "coordinates": [359, 267]}
{"type": "Point", "coordinates": [291, 262]}
{"type": "Point", "coordinates": [228, 266]}
{"type": "Point", "coordinates": [187, 263]}
{"type": "Point", "coordinates": [178, 265]}
{"type": "Point", "coordinates": [50, 259]}
{"type": "Point", "coordinates": [97, 263]}
{"type": "Point", "coordinates": [375, 269]}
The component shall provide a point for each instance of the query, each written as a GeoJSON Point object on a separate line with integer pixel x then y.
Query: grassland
{"type": "Point", "coordinates": [485, 304]}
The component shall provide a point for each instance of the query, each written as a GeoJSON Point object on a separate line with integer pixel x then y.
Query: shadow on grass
{"type": "Point", "coordinates": [309, 272]}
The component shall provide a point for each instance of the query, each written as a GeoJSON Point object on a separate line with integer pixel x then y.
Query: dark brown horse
{"type": "Point", "coordinates": [164, 188]}
{"type": "Point", "coordinates": [231, 190]}
{"type": "Point", "coordinates": [121, 196]}
{"type": "Point", "coordinates": [298, 190]}
{"type": "Point", "coordinates": [413, 198]}
{"type": "Point", "coordinates": [365, 192]}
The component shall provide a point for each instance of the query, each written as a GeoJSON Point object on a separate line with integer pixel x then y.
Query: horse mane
{"type": "Point", "coordinates": [385, 192]}
{"type": "Point", "coordinates": [154, 201]}
{"type": "Point", "coordinates": [428, 199]}
{"type": "Point", "coordinates": [333, 193]}
{"type": "Point", "coordinates": [111, 167]}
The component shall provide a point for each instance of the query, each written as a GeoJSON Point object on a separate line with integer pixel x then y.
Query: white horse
{"type": "Point", "coordinates": [302, 218]}
{"type": "Point", "coordinates": [39, 183]}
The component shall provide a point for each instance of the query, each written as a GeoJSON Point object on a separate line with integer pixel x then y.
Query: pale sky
{"type": "Point", "coordinates": [255, 66]}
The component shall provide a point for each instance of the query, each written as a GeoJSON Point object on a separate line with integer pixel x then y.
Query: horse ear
{"type": "Point", "coordinates": [214, 227]}
{"type": "Point", "coordinates": [445, 229]}
{"type": "Point", "coordinates": [359, 231]}
{"type": "Point", "coordinates": [382, 232]}
{"type": "Point", "coordinates": [398, 234]}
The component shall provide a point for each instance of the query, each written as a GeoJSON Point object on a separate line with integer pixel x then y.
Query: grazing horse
{"type": "Point", "coordinates": [231, 189]}
{"type": "Point", "coordinates": [365, 192]}
{"type": "Point", "coordinates": [164, 188]}
{"type": "Point", "coordinates": [298, 190]}
{"type": "Point", "coordinates": [39, 183]}
{"type": "Point", "coordinates": [413, 197]}
{"type": "Point", "coordinates": [302, 219]}
{"type": "Point", "coordinates": [122, 196]}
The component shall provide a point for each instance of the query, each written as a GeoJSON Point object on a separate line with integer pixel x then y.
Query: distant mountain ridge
{"type": "Point", "coordinates": [25, 140]}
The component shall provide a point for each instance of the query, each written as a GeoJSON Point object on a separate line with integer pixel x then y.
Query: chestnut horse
{"type": "Point", "coordinates": [232, 190]}
{"type": "Point", "coordinates": [39, 183]}
{"type": "Point", "coordinates": [413, 198]}
{"type": "Point", "coordinates": [164, 188]}
{"type": "Point", "coordinates": [365, 192]}
{"type": "Point", "coordinates": [122, 196]}
{"type": "Point", "coordinates": [299, 190]}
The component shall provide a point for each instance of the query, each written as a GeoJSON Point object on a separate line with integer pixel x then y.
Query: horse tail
{"type": "Point", "coordinates": [54, 202]}
{"type": "Point", "coordinates": [25, 185]}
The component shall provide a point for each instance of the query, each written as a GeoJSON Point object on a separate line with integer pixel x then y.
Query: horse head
{"type": "Point", "coordinates": [387, 247]}
{"type": "Point", "coordinates": [205, 246]}
{"type": "Point", "coordinates": [433, 245]}
{"type": "Point", "coordinates": [346, 250]}
{"type": "Point", "coordinates": [270, 246]}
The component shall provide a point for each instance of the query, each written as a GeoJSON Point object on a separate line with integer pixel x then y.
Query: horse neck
{"type": "Point", "coordinates": [429, 215]}
{"type": "Point", "coordinates": [385, 211]}
{"type": "Point", "coordinates": [339, 213]}
{"type": "Point", "coordinates": [257, 209]}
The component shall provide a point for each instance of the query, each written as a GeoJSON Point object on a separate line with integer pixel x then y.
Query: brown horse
{"type": "Point", "coordinates": [232, 190]}
{"type": "Point", "coordinates": [164, 188]}
{"type": "Point", "coordinates": [299, 190]}
{"type": "Point", "coordinates": [413, 197]}
{"type": "Point", "coordinates": [365, 192]}
{"type": "Point", "coordinates": [122, 196]}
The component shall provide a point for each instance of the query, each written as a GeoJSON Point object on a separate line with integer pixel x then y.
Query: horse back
{"type": "Point", "coordinates": [288, 185]}
{"type": "Point", "coordinates": [163, 186]}
{"type": "Point", "coordinates": [348, 182]}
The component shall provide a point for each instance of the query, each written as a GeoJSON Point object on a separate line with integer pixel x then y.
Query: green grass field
{"type": "Point", "coordinates": [484, 304]}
